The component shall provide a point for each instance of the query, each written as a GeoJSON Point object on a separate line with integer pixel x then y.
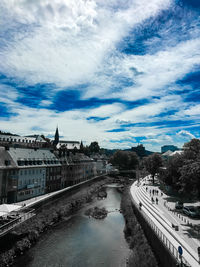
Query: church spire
{"type": "Point", "coordinates": [56, 138]}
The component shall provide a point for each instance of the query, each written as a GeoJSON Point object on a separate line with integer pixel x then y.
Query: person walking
{"type": "Point", "coordinates": [156, 201]}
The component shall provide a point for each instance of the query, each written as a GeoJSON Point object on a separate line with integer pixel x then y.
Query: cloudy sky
{"type": "Point", "coordinates": [120, 72]}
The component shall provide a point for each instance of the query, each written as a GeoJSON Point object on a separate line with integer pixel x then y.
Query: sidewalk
{"type": "Point", "coordinates": [163, 217]}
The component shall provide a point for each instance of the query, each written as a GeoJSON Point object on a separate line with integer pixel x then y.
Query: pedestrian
{"type": "Point", "coordinates": [153, 191]}
{"type": "Point", "coordinates": [150, 192]}
{"type": "Point", "coordinates": [156, 201]}
{"type": "Point", "coordinates": [146, 189]}
{"type": "Point", "coordinates": [152, 200]}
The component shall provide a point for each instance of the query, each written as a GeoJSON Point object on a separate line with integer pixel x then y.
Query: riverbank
{"type": "Point", "coordinates": [141, 254]}
{"type": "Point", "coordinates": [28, 233]}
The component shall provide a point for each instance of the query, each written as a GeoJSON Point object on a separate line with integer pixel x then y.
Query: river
{"type": "Point", "coordinates": [82, 241]}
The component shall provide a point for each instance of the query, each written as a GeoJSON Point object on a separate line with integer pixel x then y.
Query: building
{"type": "Point", "coordinates": [8, 177]}
{"type": "Point", "coordinates": [70, 145]}
{"type": "Point", "coordinates": [76, 168]}
{"type": "Point", "coordinates": [28, 141]}
{"type": "Point", "coordinates": [169, 147]}
{"type": "Point", "coordinates": [62, 144]}
{"type": "Point", "coordinates": [27, 173]}
{"type": "Point", "coordinates": [100, 162]}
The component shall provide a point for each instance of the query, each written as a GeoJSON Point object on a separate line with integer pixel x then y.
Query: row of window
{"type": "Point", "coordinates": [53, 178]}
{"type": "Point", "coordinates": [30, 192]}
{"type": "Point", "coordinates": [32, 171]}
{"type": "Point", "coordinates": [36, 162]}
{"type": "Point", "coordinates": [17, 140]}
{"type": "Point", "coordinates": [30, 181]}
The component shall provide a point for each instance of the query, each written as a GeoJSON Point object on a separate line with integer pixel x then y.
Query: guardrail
{"type": "Point", "coordinates": [172, 249]}
{"type": "Point", "coordinates": [21, 218]}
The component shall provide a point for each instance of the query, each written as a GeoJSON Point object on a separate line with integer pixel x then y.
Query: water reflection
{"type": "Point", "coordinates": [83, 241]}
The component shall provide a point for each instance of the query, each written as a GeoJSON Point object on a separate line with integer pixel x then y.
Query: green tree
{"type": "Point", "coordinates": [190, 178]}
{"type": "Point", "coordinates": [192, 149]}
{"type": "Point", "coordinates": [152, 164]}
{"type": "Point", "coordinates": [125, 160]}
{"type": "Point", "coordinates": [94, 147]}
{"type": "Point", "coordinates": [171, 174]}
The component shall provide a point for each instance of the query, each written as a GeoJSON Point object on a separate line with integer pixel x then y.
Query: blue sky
{"type": "Point", "coordinates": [113, 71]}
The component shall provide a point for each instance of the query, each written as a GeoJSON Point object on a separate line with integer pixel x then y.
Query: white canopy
{"type": "Point", "coordinates": [6, 208]}
{"type": "Point", "coordinates": [2, 213]}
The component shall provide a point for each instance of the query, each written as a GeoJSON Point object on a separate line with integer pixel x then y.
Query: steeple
{"type": "Point", "coordinates": [81, 147]}
{"type": "Point", "coordinates": [56, 138]}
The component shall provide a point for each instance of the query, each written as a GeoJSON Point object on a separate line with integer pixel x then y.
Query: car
{"type": "Point", "coordinates": [197, 208]}
{"type": "Point", "coordinates": [179, 205]}
{"type": "Point", "coordinates": [190, 211]}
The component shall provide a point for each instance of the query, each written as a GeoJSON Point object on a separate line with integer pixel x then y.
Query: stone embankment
{"type": "Point", "coordinates": [27, 234]}
{"type": "Point", "coordinates": [141, 254]}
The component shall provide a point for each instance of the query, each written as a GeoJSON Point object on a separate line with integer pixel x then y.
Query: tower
{"type": "Point", "coordinates": [56, 138]}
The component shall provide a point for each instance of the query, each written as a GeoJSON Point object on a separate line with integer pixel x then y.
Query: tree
{"type": "Point", "coordinates": [94, 147]}
{"type": "Point", "coordinates": [190, 178]}
{"type": "Point", "coordinates": [153, 163]}
{"type": "Point", "coordinates": [172, 174]}
{"type": "Point", "coordinates": [140, 150]}
{"type": "Point", "coordinates": [192, 149]}
{"type": "Point", "coordinates": [125, 160]}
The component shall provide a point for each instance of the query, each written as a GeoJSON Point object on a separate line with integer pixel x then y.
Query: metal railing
{"type": "Point", "coordinates": [172, 249]}
{"type": "Point", "coordinates": [16, 221]}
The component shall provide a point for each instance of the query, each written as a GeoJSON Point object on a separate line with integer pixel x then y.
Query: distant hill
{"type": "Point", "coordinates": [140, 151]}
{"type": "Point", "coordinates": [7, 133]}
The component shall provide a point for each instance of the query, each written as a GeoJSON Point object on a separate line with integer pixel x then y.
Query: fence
{"type": "Point", "coordinates": [147, 222]}
{"type": "Point", "coordinates": [172, 249]}
{"type": "Point", "coordinates": [11, 224]}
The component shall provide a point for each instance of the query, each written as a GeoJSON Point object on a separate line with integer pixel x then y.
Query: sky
{"type": "Point", "coordinates": [120, 72]}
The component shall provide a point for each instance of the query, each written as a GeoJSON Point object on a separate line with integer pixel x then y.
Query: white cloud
{"type": "Point", "coordinates": [184, 133]}
{"type": "Point", "coordinates": [159, 70]}
{"type": "Point", "coordinates": [8, 94]}
{"type": "Point", "coordinates": [148, 112]}
{"type": "Point", "coordinates": [192, 111]}
{"type": "Point", "coordinates": [68, 42]}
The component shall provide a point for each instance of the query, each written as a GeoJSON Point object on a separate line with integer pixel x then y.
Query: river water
{"type": "Point", "coordinates": [82, 241]}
